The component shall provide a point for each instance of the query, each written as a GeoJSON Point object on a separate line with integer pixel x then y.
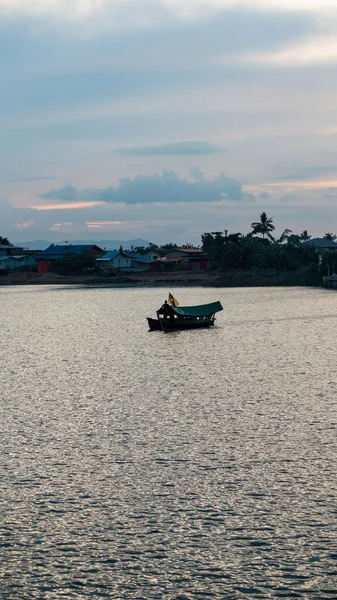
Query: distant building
{"type": "Point", "coordinates": [188, 258]}
{"type": "Point", "coordinates": [18, 260]}
{"type": "Point", "coordinates": [18, 263]}
{"type": "Point", "coordinates": [6, 250]}
{"type": "Point", "coordinates": [155, 253]}
{"type": "Point", "coordinates": [46, 258]}
{"type": "Point", "coordinates": [177, 253]}
{"type": "Point", "coordinates": [118, 260]}
{"type": "Point", "coordinates": [322, 244]}
{"type": "Point", "coordinates": [114, 260]}
{"type": "Point", "coordinates": [141, 262]}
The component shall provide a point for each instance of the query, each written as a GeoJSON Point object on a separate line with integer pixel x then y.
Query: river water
{"type": "Point", "coordinates": [181, 466]}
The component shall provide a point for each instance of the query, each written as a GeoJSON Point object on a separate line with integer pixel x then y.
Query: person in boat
{"type": "Point", "coordinates": [166, 311]}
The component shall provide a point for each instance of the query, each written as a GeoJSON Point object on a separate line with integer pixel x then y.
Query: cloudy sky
{"type": "Point", "coordinates": [163, 119]}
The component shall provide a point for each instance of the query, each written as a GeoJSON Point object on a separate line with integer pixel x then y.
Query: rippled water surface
{"type": "Point", "coordinates": [181, 466]}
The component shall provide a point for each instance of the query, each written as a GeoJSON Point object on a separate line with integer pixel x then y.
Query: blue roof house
{"type": "Point", "coordinates": [114, 260]}
{"type": "Point", "coordinates": [118, 260]}
{"type": "Point", "coordinates": [54, 252]}
{"type": "Point", "coordinates": [140, 262]}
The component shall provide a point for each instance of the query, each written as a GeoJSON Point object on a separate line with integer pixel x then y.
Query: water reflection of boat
{"type": "Point", "coordinates": [184, 317]}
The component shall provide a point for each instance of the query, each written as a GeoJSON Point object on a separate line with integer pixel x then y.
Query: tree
{"type": "Point", "coordinates": [264, 226]}
{"type": "Point", "coordinates": [328, 262]}
{"type": "Point", "coordinates": [140, 249]}
{"type": "Point", "coordinates": [214, 244]}
{"type": "Point", "coordinates": [145, 249]}
{"type": "Point", "coordinates": [169, 246]}
{"type": "Point", "coordinates": [331, 237]}
{"type": "Point", "coordinates": [188, 245]}
{"type": "Point", "coordinates": [207, 241]}
{"type": "Point", "coordinates": [5, 241]}
{"type": "Point", "coordinates": [233, 237]}
{"type": "Point", "coordinates": [304, 236]}
{"type": "Point", "coordinates": [75, 263]}
{"type": "Point", "coordinates": [285, 236]}
{"type": "Point", "coordinates": [294, 240]}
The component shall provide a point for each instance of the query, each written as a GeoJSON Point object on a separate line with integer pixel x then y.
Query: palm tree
{"type": "Point", "coordinates": [304, 236]}
{"type": "Point", "coordinates": [331, 237]}
{"type": "Point", "coordinates": [285, 235]}
{"type": "Point", "coordinates": [264, 226]}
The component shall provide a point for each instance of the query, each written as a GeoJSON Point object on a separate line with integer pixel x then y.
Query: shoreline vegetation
{"type": "Point", "coordinates": [224, 279]}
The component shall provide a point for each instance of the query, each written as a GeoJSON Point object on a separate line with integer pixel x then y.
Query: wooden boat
{"type": "Point", "coordinates": [171, 318]}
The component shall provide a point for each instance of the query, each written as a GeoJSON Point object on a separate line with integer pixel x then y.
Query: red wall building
{"type": "Point", "coordinates": [47, 257]}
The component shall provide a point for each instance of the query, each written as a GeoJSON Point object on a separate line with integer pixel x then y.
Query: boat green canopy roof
{"type": "Point", "coordinates": [198, 311]}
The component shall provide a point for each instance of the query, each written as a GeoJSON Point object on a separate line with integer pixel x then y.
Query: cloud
{"type": "Point", "coordinates": [291, 171]}
{"type": "Point", "coordinates": [177, 148]}
{"type": "Point", "coordinates": [67, 193]}
{"type": "Point", "coordinates": [103, 224]}
{"type": "Point", "coordinates": [317, 50]}
{"type": "Point", "coordinates": [65, 205]}
{"type": "Point", "coordinates": [64, 84]}
{"type": "Point", "coordinates": [98, 10]}
{"type": "Point", "coordinates": [165, 188]}
{"type": "Point", "coordinates": [197, 174]}
{"type": "Point", "coordinates": [81, 78]}
{"type": "Point", "coordinates": [61, 227]}
{"type": "Point", "coordinates": [28, 178]}
{"type": "Point", "coordinates": [291, 185]}
{"type": "Point", "coordinates": [26, 225]}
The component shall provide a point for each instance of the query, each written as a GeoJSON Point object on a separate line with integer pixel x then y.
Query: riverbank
{"type": "Point", "coordinates": [234, 278]}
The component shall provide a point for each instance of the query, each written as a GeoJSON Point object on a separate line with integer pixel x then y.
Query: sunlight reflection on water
{"type": "Point", "coordinates": [189, 465]}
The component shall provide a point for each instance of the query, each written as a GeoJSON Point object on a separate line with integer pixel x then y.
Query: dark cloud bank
{"type": "Point", "coordinates": [165, 188]}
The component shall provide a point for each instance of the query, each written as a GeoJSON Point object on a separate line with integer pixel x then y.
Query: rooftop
{"type": "Point", "coordinates": [141, 258]}
{"type": "Point", "coordinates": [111, 254]}
{"type": "Point", "coordinates": [55, 251]}
{"type": "Point", "coordinates": [6, 247]}
{"type": "Point", "coordinates": [322, 243]}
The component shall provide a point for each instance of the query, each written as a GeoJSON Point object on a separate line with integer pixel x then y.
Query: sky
{"type": "Point", "coordinates": [164, 119]}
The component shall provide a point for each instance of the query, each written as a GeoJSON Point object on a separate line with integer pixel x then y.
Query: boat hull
{"type": "Point", "coordinates": [178, 324]}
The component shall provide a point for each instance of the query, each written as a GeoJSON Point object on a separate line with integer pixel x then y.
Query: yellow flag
{"type": "Point", "coordinates": [172, 300]}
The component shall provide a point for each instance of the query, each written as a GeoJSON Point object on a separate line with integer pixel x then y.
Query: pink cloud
{"type": "Point", "coordinates": [60, 226]}
{"type": "Point", "coordinates": [102, 224]}
{"type": "Point", "coordinates": [66, 205]}
{"type": "Point", "coordinates": [26, 225]}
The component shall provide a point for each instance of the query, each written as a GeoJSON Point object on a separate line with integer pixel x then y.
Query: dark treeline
{"type": "Point", "coordinates": [163, 248]}
{"type": "Point", "coordinates": [260, 250]}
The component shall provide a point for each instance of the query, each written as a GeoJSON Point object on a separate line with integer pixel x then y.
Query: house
{"type": "Point", "coordinates": [46, 258]}
{"type": "Point", "coordinates": [322, 244]}
{"type": "Point", "coordinates": [114, 260]}
{"type": "Point", "coordinates": [19, 261]}
{"type": "Point", "coordinates": [188, 258]}
{"type": "Point", "coordinates": [118, 260]}
{"type": "Point", "coordinates": [142, 262]}
{"type": "Point", "coordinates": [178, 253]}
{"type": "Point", "coordinates": [7, 265]}
{"type": "Point", "coordinates": [155, 254]}
{"type": "Point", "coordinates": [6, 250]}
